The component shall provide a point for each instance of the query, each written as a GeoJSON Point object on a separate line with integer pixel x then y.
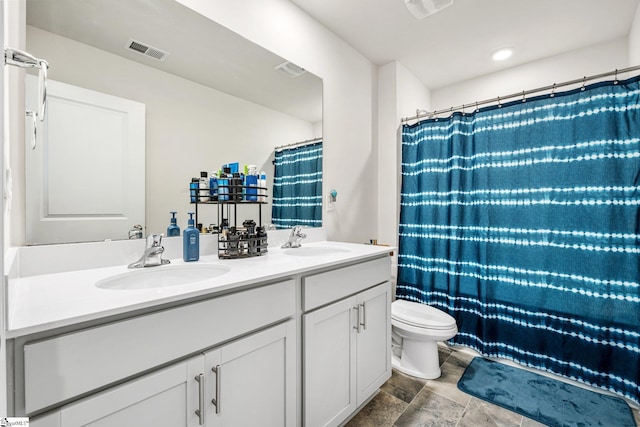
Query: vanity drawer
{"type": "Point", "coordinates": [61, 368]}
{"type": "Point", "coordinates": [323, 288]}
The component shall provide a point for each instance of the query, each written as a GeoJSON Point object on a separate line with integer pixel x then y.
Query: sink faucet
{"type": "Point", "coordinates": [295, 238]}
{"type": "Point", "coordinates": [152, 255]}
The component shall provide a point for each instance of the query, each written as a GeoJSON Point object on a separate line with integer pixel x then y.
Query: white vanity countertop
{"type": "Point", "coordinates": [42, 302]}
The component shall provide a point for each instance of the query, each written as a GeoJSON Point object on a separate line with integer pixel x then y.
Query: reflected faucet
{"type": "Point", "coordinates": [152, 255]}
{"type": "Point", "coordinates": [295, 238]}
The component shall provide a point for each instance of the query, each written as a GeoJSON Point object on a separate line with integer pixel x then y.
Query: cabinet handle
{"type": "Point", "coordinates": [364, 316]}
{"type": "Point", "coordinates": [216, 401]}
{"type": "Point", "coordinates": [200, 410]}
{"type": "Point", "coordinates": [357, 326]}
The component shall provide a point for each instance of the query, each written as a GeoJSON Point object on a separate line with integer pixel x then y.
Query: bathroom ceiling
{"type": "Point", "coordinates": [456, 43]}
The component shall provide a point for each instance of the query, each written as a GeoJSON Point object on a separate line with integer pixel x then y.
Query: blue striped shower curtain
{"type": "Point", "coordinates": [297, 187]}
{"type": "Point", "coordinates": [521, 221]}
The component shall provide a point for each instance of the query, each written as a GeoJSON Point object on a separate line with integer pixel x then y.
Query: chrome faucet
{"type": "Point", "coordinates": [295, 238]}
{"type": "Point", "coordinates": [152, 255]}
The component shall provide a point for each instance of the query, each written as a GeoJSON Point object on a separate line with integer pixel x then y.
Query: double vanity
{"type": "Point", "coordinates": [301, 336]}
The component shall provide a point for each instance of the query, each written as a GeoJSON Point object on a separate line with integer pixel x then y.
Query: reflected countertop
{"type": "Point", "coordinates": [38, 303]}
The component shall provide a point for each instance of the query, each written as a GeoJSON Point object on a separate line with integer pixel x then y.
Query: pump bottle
{"type": "Point", "coordinates": [191, 241]}
{"type": "Point", "coordinates": [173, 229]}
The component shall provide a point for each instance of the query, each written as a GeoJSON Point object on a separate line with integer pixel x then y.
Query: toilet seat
{"type": "Point", "coordinates": [421, 315]}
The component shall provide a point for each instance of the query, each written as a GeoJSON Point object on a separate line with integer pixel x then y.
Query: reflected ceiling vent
{"type": "Point", "coordinates": [423, 8]}
{"type": "Point", "coordinates": [290, 69]}
{"type": "Point", "coordinates": [147, 50]}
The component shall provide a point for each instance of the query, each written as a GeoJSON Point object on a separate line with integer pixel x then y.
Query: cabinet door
{"type": "Point", "coordinates": [251, 381]}
{"type": "Point", "coordinates": [329, 363]}
{"type": "Point", "coordinates": [373, 366]}
{"type": "Point", "coordinates": [168, 397]}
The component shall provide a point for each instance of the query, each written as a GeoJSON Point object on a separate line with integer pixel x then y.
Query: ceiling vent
{"type": "Point", "coordinates": [146, 50]}
{"type": "Point", "coordinates": [290, 69]}
{"type": "Point", "coordinates": [422, 8]}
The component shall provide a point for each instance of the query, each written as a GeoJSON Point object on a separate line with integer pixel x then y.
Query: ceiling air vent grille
{"type": "Point", "coordinates": [291, 69]}
{"type": "Point", "coordinates": [147, 50]}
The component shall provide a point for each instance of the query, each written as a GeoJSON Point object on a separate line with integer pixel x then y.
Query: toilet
{"type": "Point", "coordinates": [416, 329]}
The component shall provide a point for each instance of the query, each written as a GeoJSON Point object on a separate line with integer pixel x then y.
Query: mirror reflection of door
{"type": "Point", "coordinates": [86, 176]}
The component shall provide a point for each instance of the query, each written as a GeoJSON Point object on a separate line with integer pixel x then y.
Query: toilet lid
{"type": "Point", "coordinates": [421, 315]}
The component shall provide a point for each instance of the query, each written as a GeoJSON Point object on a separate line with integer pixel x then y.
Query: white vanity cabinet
{"type": "Point", "coordinates": [347, 343]}
{"type": "Point", "coordinates": [256, 363]}
{"type": "Point", "coordinates": [248, 382]}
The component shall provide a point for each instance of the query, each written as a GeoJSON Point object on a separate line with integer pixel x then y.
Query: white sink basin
{"type": "Point", "coordinates": [311, 251]}
{"type": "Point", "coordinates": [162, 276]}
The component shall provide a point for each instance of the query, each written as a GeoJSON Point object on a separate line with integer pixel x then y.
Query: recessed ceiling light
{"type": "Point", "coordinates": [502, 54]}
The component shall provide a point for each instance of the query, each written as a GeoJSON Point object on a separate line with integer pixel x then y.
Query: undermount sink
{"type": "Point", "coordinates": [162, 276]}
{"type": "Point", "coordinates": [310, 251]}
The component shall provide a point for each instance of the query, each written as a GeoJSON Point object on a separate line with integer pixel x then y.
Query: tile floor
{"type": "Point", "coordinates": [405, 401]}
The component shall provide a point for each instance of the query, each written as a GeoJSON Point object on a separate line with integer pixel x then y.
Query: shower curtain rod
{"type": "Point", "coordinates": [423, 113]}
{"type": "Point", "coordinates": [295, 144]}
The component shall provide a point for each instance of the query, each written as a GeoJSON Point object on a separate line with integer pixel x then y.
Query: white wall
{"type": "Point", "coordinates": [189, 127]}
{"type": "Point", "coordinates": [399, 94]}
{"type": "Point", "coordinates": [349, 151]}
{"type": "Point", "coordinates": [568, 66]}
{"type": "Point", "coordinates": [634, 40]}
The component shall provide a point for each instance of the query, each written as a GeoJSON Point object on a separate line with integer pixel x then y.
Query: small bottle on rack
{"type": "Point", "coordinates": [204, 187]}
{"type": "Point", "coordinates": [193, 189]}
{"type": "Point", "coordinates": [213, 186]}
{"type": "Point", "coordinates": [191, 241]}
{"type": "Point", "coordinates": [173, 229]}
{"type": "Point", "coordinates": [252, 183]}
{"type": "Point", "coordinates": [262, 191]}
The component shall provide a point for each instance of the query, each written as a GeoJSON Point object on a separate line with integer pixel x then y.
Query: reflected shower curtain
{"type": "Point", "coordinates": [521, 221]}
{"type": "Point", "coordinates": [297, 187]}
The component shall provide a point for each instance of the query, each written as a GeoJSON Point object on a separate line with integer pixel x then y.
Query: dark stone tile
{"type": "Point", "coordinates": [430, 409]}
{"type": "Point", "coordinates": [481, 413]}
{"type": "Point", "coordinates": [636, 415]}
{"type": "Point", "coordinates": [403, 386]}
{"type": "Point", "coordinates": [443, 353]}
{"type": "Point", "coordinates": [528, 422]}
{"type": "Point", "coordinates": [381, 411]}
{"type": "Point", "coordinates": [460, 358]}
{"type": "Point", "coordinates": [447, 384]}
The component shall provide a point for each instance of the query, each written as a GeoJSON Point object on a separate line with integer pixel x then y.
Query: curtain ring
{"type": "Point", "coordinates": [615, 78]}
{"type": "Point", "coordinates": [524, 99]}
{"type": "Point", "coordinates": [499, 102]}
{"type": "Point", "coordinates": [584, 82]}
{"type": "Point", "coordinates": [462, 108]}
{"type": "Point", "coordinates": [553, 91]}
{"type": "Point", "coordinates": [477, 109]}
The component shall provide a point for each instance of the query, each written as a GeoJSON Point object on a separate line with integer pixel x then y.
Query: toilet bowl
{"type": "Point", "coordinates": [416, 329]}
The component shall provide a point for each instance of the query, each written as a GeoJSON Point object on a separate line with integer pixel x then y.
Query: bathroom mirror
{"type": "Point", "coordinates": [212, 98]}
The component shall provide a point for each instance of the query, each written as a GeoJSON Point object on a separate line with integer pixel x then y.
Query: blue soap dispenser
{"type": "Point", "coordinates": [173, 229]}
{"type": "Point", "coordinates": [191, 241]}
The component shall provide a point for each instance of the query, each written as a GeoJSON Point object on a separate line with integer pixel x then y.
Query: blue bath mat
{"type": "Point", "coordinates": [543, 399]}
